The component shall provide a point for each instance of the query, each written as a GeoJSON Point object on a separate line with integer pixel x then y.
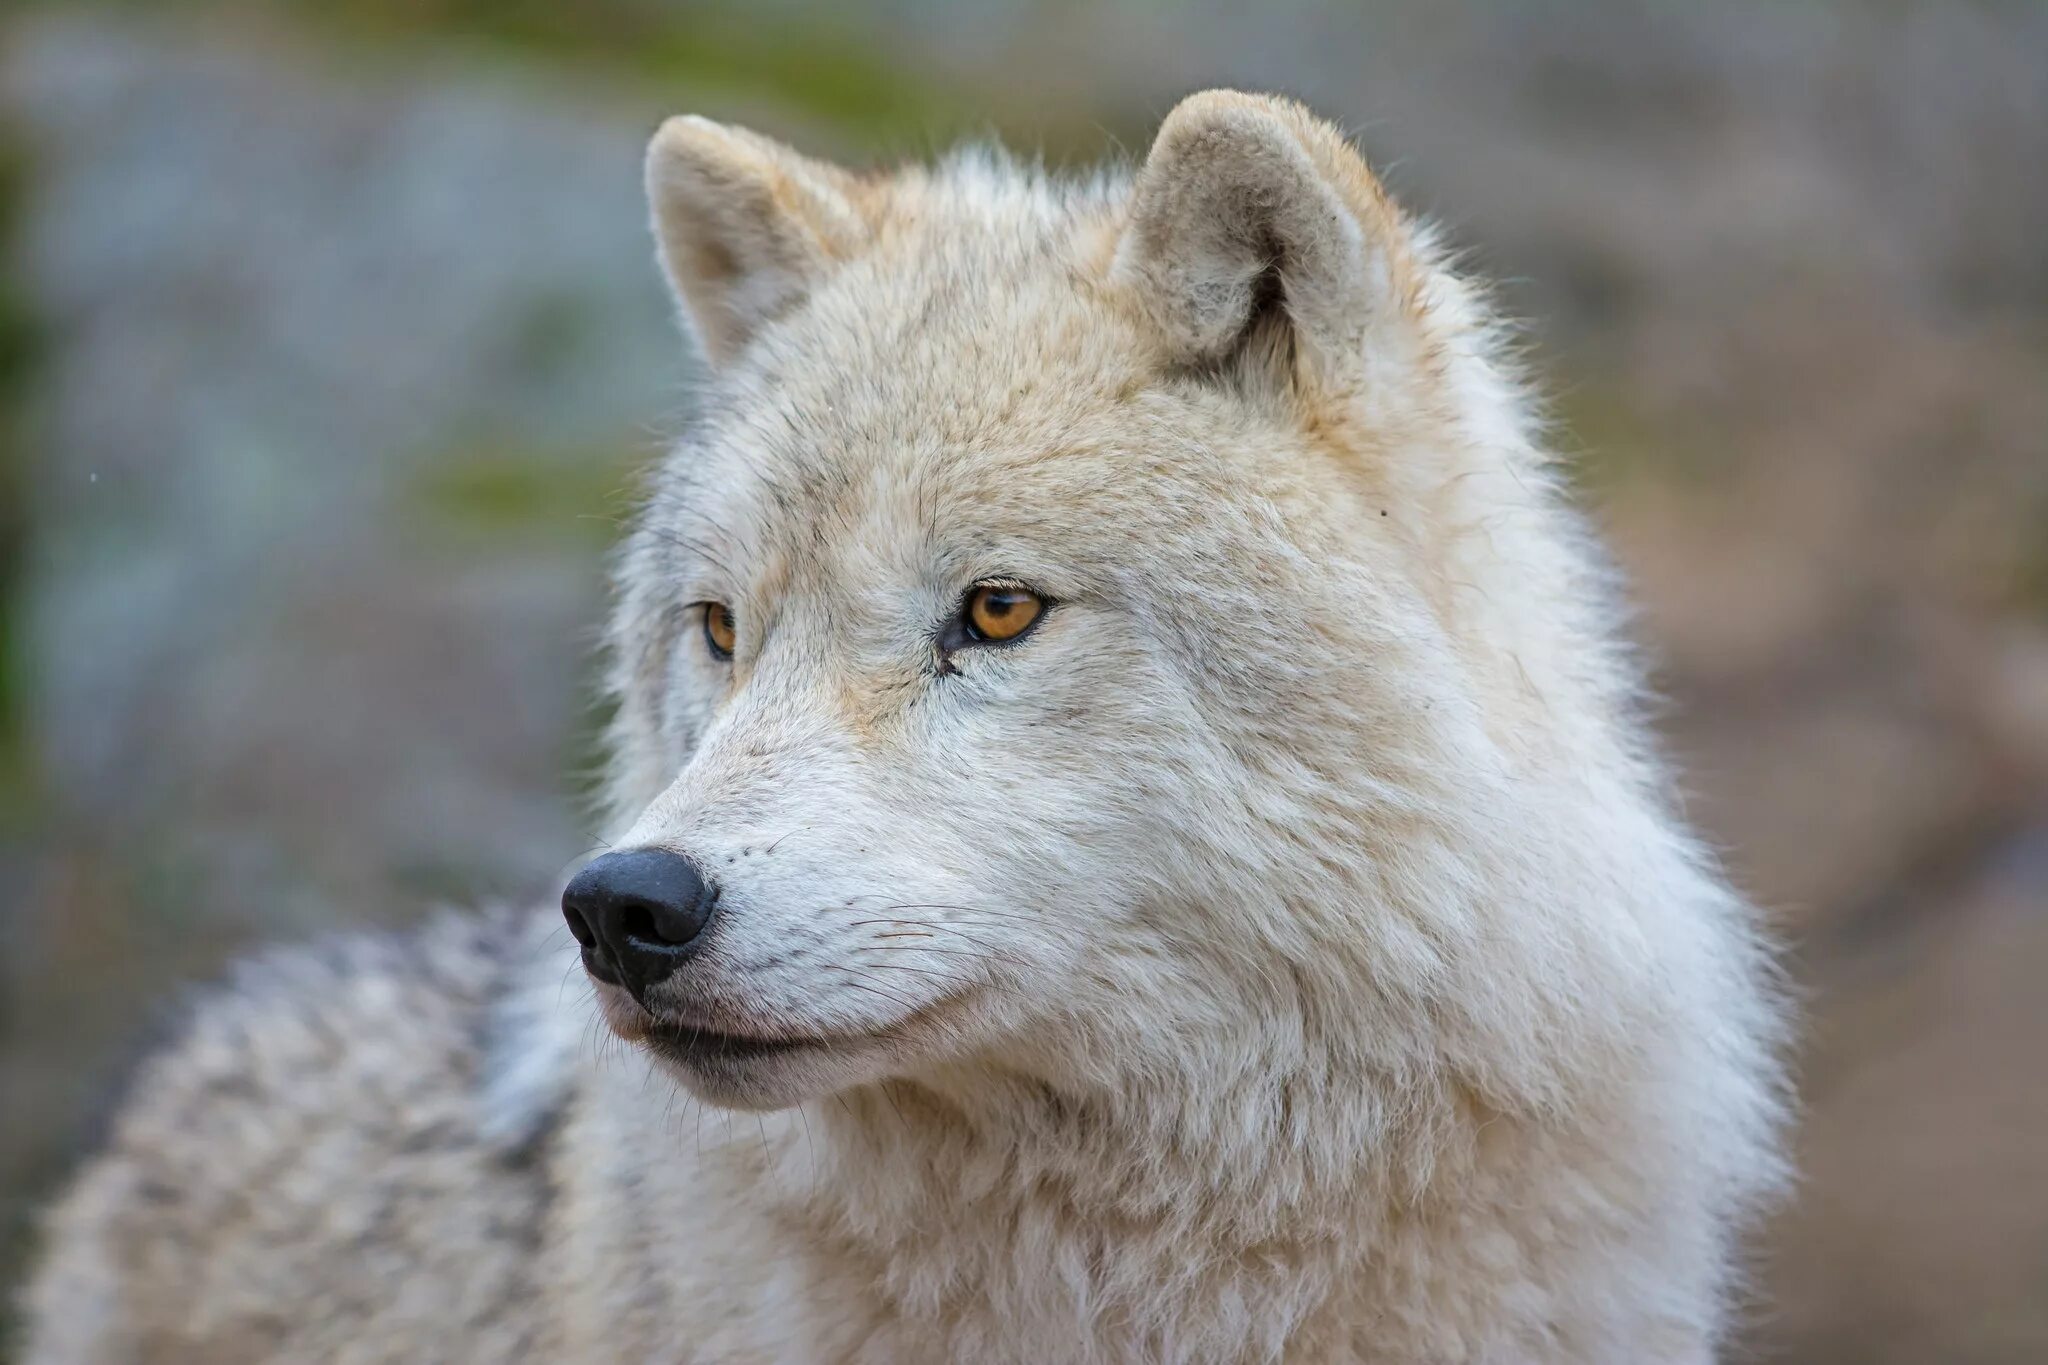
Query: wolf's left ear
{"type": "Point", "coordinates": [744, 226]}
{"type": "Point", "coordinates": [1249, 214]}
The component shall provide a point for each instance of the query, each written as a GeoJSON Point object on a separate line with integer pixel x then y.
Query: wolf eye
{"type": "Point", "coordinates": [721, 631]}
{"type": "Point", "coordinates": [996, 612]}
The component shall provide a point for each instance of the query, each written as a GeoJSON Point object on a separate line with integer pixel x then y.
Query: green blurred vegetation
{"type": "Point", "coordinates": [495, 492]}
{"type": "Point", "coordinates": [827, 69]}
{"type": "Point", "coordinates": [1608, 437]}
{"type": "Point", "coordinates": [20, 345]}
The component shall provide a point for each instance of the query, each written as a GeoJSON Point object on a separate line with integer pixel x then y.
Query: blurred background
{"type": "Point", "coordinates": [330, 339]}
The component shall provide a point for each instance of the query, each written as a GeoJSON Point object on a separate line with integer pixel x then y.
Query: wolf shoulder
{"type": "Point", "coordinates": [332, 1159]}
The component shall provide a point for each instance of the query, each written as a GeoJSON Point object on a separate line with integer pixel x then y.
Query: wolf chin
{"type": "Point", "coordinates": [1134, 840]}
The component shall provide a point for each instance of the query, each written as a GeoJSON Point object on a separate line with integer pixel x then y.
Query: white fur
{"type": "Point", "coordinates": [1288, 950]}
{"type": "Point", "coordinates": [1318, 967]}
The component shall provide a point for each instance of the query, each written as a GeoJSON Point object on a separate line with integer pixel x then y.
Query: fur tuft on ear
{"type": "Point", "coordinates": [1249, 210]}
{"type": "Point", "coordinates": [744, 227]}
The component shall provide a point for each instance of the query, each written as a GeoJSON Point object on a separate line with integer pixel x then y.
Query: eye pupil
{"type": "Point", "coordinates": [1002, 613]}
{"type": "Point", "coordinates": [721, 630]}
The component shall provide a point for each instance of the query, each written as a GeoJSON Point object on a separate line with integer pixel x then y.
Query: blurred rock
{"type": "Point", "coordinates": [1919, 1234]}
{"type": "Point", "coordinates": [1835, 583]}
{"type": "Point", "coordinates": [289, 302]}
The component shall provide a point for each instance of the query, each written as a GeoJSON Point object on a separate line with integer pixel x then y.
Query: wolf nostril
{"type": "Point", "coordinates": [663, 924]}
{"type": "Point", "coordinates": [637, 922]}
{"type": "Point", "coordinates": [579, 928]}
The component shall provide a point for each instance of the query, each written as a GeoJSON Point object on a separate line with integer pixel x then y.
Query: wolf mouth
{"type": "Point", "coordinates": [686, 1043]}
{"type": "Point", "coordinates": [691, 1045]}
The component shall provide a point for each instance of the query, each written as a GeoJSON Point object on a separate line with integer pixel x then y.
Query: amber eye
{"type": "Point", "coordinates": [721, 632]}
{"type": "Point", "coordinates": [1001, 611]}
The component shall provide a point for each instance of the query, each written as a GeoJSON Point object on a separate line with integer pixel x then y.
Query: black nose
{"type": "Point", "coordinates": [638, 914]}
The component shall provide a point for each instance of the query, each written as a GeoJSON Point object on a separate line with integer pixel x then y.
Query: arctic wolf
{"type": "Point", "coordinates": [1134, 842]}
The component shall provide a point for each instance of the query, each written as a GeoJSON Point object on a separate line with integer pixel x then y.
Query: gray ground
{"type": "Point", "coordinates": [325, 364]}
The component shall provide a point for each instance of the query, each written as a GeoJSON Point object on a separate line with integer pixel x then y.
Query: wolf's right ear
{"type": "Point", "coordinates": [1254, 221]}
{"type": "Point", "coordinates": [744, 227]}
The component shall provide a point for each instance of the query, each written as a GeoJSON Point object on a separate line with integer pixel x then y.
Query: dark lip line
{"type": "Point", "coordinates": [690, 1042]}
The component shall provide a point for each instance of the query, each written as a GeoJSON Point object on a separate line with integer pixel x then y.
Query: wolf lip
{"type": "Point", "coordinates": [686, 1043]}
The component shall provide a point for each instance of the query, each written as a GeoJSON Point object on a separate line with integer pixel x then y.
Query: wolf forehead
{"type": "Point", "coordinates": [970, 378]}
{"type": "Point", "coordinates": [974, 341]}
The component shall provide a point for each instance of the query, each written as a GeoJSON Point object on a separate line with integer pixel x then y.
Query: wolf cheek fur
{"type": "Point", "coordinates": [1283, 949]}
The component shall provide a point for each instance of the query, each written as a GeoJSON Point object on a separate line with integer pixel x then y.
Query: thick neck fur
{"type": "Point", "coordinates": [1150, 1218]}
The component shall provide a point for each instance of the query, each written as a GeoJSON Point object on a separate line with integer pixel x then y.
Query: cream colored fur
{"type": "Point", "coordinates": [1287, 951]}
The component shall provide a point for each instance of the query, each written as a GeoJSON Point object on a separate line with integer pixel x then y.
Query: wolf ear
{"type": "Point", "coordinates": [1252, 215]}
{"type": "Point", "coordinates": [744, 227]}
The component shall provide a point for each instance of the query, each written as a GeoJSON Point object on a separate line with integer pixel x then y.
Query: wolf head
{"type": "Point", "coordinates": [1095, 630]}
